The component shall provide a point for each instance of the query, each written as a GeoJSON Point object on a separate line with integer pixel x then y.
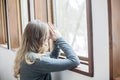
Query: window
{"type": "Point", "coordinates": [10, 27]}
{"type": "Point", "coordinates": [15, 15]}
{"type": "Point", "coordinates": [73, 19]}
{"type": "Point", "coordinates": [13, 23]}
{"type": "Point", "coordinates": [3, 30]}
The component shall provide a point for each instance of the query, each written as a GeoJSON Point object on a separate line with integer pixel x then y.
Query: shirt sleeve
{"type": "Point", "coordinates": [55, 52]}
{"type": "Point", "coordinates": [47, 64]}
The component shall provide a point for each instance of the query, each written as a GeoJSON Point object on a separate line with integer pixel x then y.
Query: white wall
{"type": "Point", "coordinates": [100, 44]}
{"type": "Point", "coordinates": [6, 64]}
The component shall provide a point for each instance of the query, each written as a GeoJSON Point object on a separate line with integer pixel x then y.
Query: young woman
{"type": "Point", "coordinates": [33, 62]}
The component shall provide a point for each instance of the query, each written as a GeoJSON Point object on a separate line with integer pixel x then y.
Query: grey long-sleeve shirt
{"type": "Point", "coordinates": [42, 67]}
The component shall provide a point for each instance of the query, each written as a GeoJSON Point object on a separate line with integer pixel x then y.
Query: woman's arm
{"type": "Point", "coordinates": [47, 64]}
{"type": "Point", "coordinates": [55, 51]}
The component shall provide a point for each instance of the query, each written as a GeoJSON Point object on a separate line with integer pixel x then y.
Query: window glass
{"type": "Point", "coordinates": [70, 18]}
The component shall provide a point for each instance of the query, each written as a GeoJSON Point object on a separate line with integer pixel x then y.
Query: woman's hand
{"type": "Point", "coordinates": [54, 33]}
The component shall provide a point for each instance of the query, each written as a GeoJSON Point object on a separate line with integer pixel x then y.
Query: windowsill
{"type": "Point", "coordinates": [4, 45]}
{"type": "Point", "coordinates": [77, 70]}
{"type": "Point", "coordinates": [83, 68]}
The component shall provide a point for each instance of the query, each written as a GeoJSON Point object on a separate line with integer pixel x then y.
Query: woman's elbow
{"type": "Point", "coordinates": [76, 62]}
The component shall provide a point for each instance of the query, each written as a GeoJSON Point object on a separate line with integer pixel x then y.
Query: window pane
{"type": "Point", "coordinates": [24, 14]}
{"type": "Point", "coordinates": [14, 23]}
{"type": "Point", "coordinates": [70, 18]}
{"type": "Point", "coordinates": [3, 31]}
{"type": "Point", "coordinates": [40, 10]}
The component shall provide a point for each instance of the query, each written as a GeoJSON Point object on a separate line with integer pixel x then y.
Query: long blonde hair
{"type": "Point", "coordinates": [33, 40]}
